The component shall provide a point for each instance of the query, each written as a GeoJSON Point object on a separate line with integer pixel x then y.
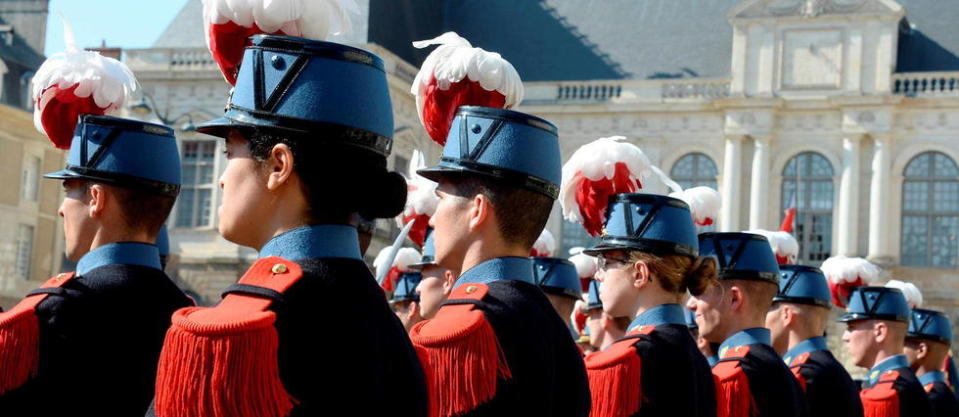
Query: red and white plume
{"type": "Point", "coordinates": [846, 274]}
{"type": "Point", "coordinates": [909, 290]}
{"type": "Point", "coordinates": [421, 200]}
{"type": "Point", "coordinates": [784, 245]}
{"type": "Point", "coordinates": [457, 74]}
{"type": "Point", "coordinates": [545, 245]}
{"type": "Point", "coordinates": [404, 258]}
{"type": "Point", "coordinates": [586, 266]}
{"type": "Point", "coordinates": [76, 82]}
{"type": "Point", "coordinates": [230, 23]}
{"type": "Point", "coordinates": [597, 170]}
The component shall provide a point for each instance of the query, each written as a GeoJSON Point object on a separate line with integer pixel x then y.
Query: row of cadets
{"type": "Point", "coordinates": [87, 342]}
{"type": "Point", "coordinates": [558, 279]}
{"type": "Point", "coordinates": [752, 378]}
{"type": "Point", "coordinates": [307, 129]}
{"type": "Point", "coordinates": [797, 322]}
{"type": "Point", "coordinates": [648, 258]}
{"type": "Point", "coordinates": [495, 347]}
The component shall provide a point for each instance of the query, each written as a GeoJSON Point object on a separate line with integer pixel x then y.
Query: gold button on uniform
{"type": "Point", "coordinates": [470, 289]}
{"type": "Point", "coordinates": [279, 269]}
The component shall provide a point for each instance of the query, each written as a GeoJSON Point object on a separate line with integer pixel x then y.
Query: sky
{"type": "Point", "coordinates": [122, 23]}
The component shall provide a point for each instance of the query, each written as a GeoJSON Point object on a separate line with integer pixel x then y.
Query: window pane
{"type": "Point", "coordinates": [945, 195]}
{"type": "Point", "coordinates": [203, 211]}
{"type": "Point", "coordinates": [24, 250]}
{"type": "Point", "coordinates": [808, 186]}
{"type": "Point", "coordinates": [915, 242]}
{"type": "Point", "coordinates": [945, 241]}
{"type": "Point", "coordinates": [190, 150]}
{"type": "Point", "coordinates": [945, 167]}
{"type": "Point", "coordinates": [683, 168]}
{"type": "Point", "coordinates": [208, 150]}
{"type": "Point", "coordinates": [574, 235]}
{"type": "Point", "coordinates": [184, 213]}
{"type": "Point", "coordinates": [206, 174]}
{"type": "Point", "coordinates": [915, 196]}
{"type": "Point", "coordinates": [919, 166]}
{"type": "Point", "coordinates": [189, 174]}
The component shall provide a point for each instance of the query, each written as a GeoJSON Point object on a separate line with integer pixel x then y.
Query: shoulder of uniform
{"type": "Point", "coordinates": [20, 335]}
{"type": "Point", "coordinates": [460, 353]}
{"type": "Point", "coordinates": [620, 353]}
{"type": "Point", "coordinates": [615, 375]}
{"type": "Point", "coordinates": [884, 390]}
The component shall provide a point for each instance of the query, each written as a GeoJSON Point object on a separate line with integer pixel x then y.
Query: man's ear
{"type": "Point", "coordinates": [880, 331]}
{"type": "Point", "coordinates": [922, 350]}
{"type": "Point", "coordinates": [737, 298]}
{"type": "Point", "coordinates": [448, 281]}
{"type": "Point", "coordinates": [787, 315]}
{"type": "Point", "coordinates": [481, 210]}
{"type": "Point", "coordinates": [97, 200]}
{"type": "Point", "coordinates": [279, 165]}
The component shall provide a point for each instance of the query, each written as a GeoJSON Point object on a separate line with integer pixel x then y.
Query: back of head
{"type": "Point", "coordinates": [520, 214]}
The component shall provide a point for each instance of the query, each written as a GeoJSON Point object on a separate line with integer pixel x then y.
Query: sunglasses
{"type": "Point", "coordinates": [606, 263]}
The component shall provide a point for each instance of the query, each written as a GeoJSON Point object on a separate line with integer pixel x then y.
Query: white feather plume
{"type": "Point", "coordinates": [311, 19]}
{"type": "Point", "coordinates": [456, 59]}
{"type": "Point", "coordinates": [545, 244]}
{"type": "Point", "coordinates": [841, 269]}
{"type": "Point", "coordinates": [421, 197]}
{"type": "Point", "coordinates": [110, 82]}
{"type": "Point", "coordinates": [909, 290]}
{"type": "Point", "coordinates": [404, 258]}
{"type": "Point", "coordinates": [597, 160]}
{"type": "Point", "coordinates": [783, 244]}
{"type": "Point", "coordinates": [586, 266]}
{"type": "Point", "coordinates": [704, 203]}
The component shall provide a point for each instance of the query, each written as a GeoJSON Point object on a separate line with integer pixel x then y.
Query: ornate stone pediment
{"type": "Point", "coordinates": [759, 9]}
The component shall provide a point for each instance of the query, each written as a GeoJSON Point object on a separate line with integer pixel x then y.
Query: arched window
{"type": "Point", "coordinates": [694, 170]}
{"type": "Point", "coordinates": [930, 211]}
{"type": "Point", "coordinates": [808, 187]}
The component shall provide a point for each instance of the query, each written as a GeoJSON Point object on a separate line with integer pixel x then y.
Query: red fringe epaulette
{"type": "Point", "coordinates": [461, 356]}
{"type": "Point", "coordinates": [796, 366]}
{"type": "Point", "coordinates": [615, 377]}
{"type": "Point", "coordinates": [222, 361]}
{"type": "Point", "coordinates": [882, 399]}
{"type": "Point", "coordinates": [20, 338]}
{"type": "Point", "coordinates": [733, 395]}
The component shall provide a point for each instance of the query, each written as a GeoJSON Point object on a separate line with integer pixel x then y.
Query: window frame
{"type": "Point", "coordinates": [929, 214]}
{"type": "Point", "coordinates": [807, 185]}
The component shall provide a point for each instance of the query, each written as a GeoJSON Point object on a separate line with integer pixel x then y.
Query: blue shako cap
{"type": "Point", "coordinates": [744, 256]}
{"type": "Point", "coordinates": [651, 223]}
{"type": "Point", "coordinates": [592, 300]}
{"type": "Point", "coordinates": [557, 276]}
{"type": "Point", "coordinates": [930, 325]}
{"type": "Point", "coordinates": [406, 287]}
{"type": "Point", "coordinates": [508, 146]}
{"type": "Point", "coordinates": [124, 153]}
{"type": "Point", "coordinates": [876, 303]}
{"type": "Point", "coordinates": [429, 252]}
{"type": "Point", "coordinates": [310, 89]}
{"type": "Point", "coordinates": [803, 285]}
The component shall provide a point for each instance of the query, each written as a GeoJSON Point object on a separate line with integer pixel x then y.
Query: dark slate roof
{"type": "Point", "coordinates": [928, 39]}
{"type": "Point", "coordinates": [572, 39]}
{"type": "Point", "coordinates": [186, 30]}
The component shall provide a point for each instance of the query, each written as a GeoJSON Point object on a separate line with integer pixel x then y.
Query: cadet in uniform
{"type": "Point", "coordinates": [436, 282]}
{"type": "Point", "coordinates": [558, 279]}
{"type": "Point", "coordinates": [87, 342]}
{"type": "Point", "coordinates": [497, 347]}
{"type": "Point", "coordinates": [707, 348]}
{"type": "Point", "coordinates": [405, 300]}
{"type": "Point", "coordinates": [797, 322]}
{"type": "Point", "coordinates": [876, 322]}
{"type": "Point", "coordinates": [308, 129]}
{"type": "Point", "coordinates": [752, 378]}
{"type": "Point", "coordinates": [927, 346]}
{"type": "Point", "coordinates": [648, 259]}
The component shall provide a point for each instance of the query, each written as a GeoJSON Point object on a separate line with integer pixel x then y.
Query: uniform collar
{"type": "Point", "coordinates": [888, 364]}
{"type": "Point", "coordinates": [317, 241]}
{"type": "Point", "coordinates": [806, 346]}
{"type": "Point", "coordinates": [932, 377]}
{"type": "Point", "coordinates": [753, 336]}
{"type": "Point", "coordinates": [120, 253]}
{"type": "Point", "coordinates": [659, 315]}
{"type": "Point", "coordinates": [713, 360]}
{"type": "Point", "coordinates": [507, 268]}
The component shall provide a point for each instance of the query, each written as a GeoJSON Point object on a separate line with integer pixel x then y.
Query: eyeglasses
{"type": "Point", "coordinates": [606, 263]}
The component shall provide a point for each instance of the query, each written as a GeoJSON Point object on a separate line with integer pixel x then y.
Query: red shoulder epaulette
{"type": "Point", "coordinates": [615, 377]}
{"type": "Point", "coordinates": [796, 366]}
{"type": "Point", "coordinates": [882, 399]}
{"type": "Point", "coordinates": [929, 387]}
{"type": "Point", "coordinates": [222, 360]}
{"type": "Point", "coordinates": [20, 337]}
{"type": "Point", "coordinates": [733, 396]}
{"type": "Point", "coordinates": [461, 356]}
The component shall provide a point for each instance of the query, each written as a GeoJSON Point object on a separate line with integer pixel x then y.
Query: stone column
{"type": "Point", "coordinates": [848, 216]}
{"type": "Point", "coordinates": [759, 186]}
{"type": "Point", "coordinates": [879, 220]}
{"type": "Point", "coordinates": [732, 178]}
